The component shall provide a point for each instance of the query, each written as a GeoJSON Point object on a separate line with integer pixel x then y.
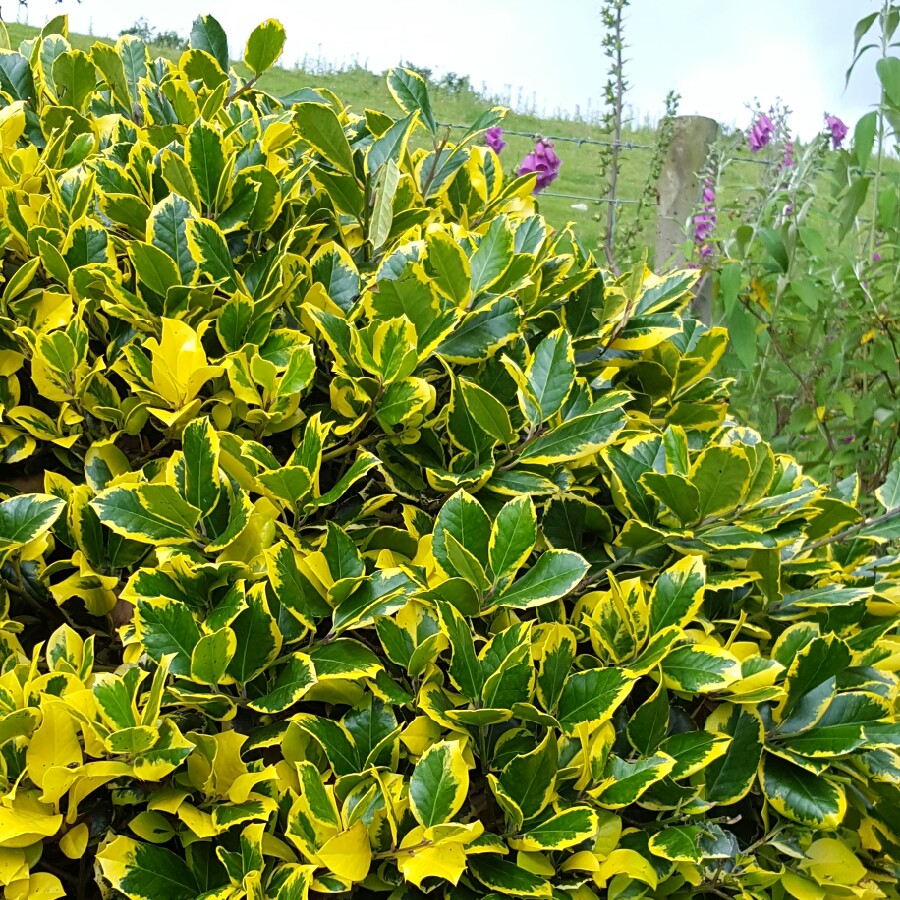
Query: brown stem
{"type": "Point", "coordinates": [810, 396]}
{"type": "Point", "coordinates": [242, 90]}
{"type": "Point", "coordinates": [438, 150]}
{"type": "Point", "coordinates": [509, 460]}
{"type": "Point", "coordinates": [855, 529]}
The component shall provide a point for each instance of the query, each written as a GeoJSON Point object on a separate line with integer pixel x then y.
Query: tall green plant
{"type": "Point", "coordinates": [619, 237]}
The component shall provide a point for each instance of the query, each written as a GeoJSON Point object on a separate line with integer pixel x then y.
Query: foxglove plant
{"type": "Point", "coordinates": [543, 162]}
{"type": "Point", "coordinates": [493, 138]}
{"type": "Point", "coordinates": [705, 221]}
{"type": "Point", "coordinates": [806, 281]}
{"type": "Point", "coordinates": [761, 133]}
{"type": "Point", "coordinates": [787, 161]}
{"type": "Point", "coordinates": [837, 129]}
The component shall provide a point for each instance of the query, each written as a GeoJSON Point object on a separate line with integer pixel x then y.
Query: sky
{"type": "Point", "coordinates": [720, 55]}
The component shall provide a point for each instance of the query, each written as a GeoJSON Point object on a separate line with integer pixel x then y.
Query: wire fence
{"type": "Point", "coordinates": [578, 141]}
{"type": "Point", "coordinates": [588, 141]}
{"type": "Point", "coordinates": [657, 216]}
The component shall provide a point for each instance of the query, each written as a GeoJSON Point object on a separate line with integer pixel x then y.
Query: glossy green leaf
{"type": "Point", "coordinates": [318, 125]}
{"type": "Point", "coordinates": [264, 46]}
{"type": "Point", "coordinates": [593, 695]}
{"type": "Point", "coordinates": [554, 575]}
{"type": "Point", "coordinates": [439, 784]}
{"type": "Point", "coordinates": [27, 516]}
{"type": "Point", "coordinates": [411, 93]}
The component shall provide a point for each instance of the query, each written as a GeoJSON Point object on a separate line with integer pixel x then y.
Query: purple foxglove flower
{"type": "Point", "coordinates": [838, 130]}
{"type": "Point", "coordinates": [787, 161]}
{"type": "Point", "coordinates": [705, 221]}
{"type": "Point", "coordinates": [761, 133]}
{"type": "Point", "coordinates": [876, 257]}
{"type": "Point", "coordinates": [542, 161]}
{"type": "Point", "coordinates": [493, 137]}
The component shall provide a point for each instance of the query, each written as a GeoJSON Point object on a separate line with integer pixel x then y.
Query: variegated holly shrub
{"type": "Point", "coordinates": [363, 537]}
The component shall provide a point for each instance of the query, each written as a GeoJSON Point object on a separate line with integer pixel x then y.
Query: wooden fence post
{"type": "Point", "coordinates": [679, 193]}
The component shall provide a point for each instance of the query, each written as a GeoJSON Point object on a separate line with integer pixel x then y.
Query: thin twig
{"type": "Point", "coordinates": [853, 530]}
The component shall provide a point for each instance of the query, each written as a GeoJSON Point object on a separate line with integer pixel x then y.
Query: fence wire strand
{"type": "Point", "coordinates": [593, 142]}
{"type": "Point", "coordinates": [623, 145]}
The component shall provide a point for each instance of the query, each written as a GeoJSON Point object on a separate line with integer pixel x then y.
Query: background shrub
{"type": "Point", "coordinates": [804, 264]}
{"type": "Point", "coordinates": [364, 537]}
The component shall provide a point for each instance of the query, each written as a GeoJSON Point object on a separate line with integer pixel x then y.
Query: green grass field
{"type": "Point", "coordinates": [580, 174]}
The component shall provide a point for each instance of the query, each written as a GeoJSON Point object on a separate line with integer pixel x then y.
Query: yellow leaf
{"type": "Point", "coordinates": [152, 826]}
{"type": "Point", "coordinates": [625, 862]}
{"type": "Point", "coordinates": [26, 820]}
{"type": "Point", "coordinates": [831, 861]}
{"type": "Point", "coordinates": [74, 841]}
{"type": "Point", "coordinates": [348, 854]}
{"type": "Point", "coordinates": [801, 888]}
{"type": "Point", "coordinates": [536, 863]}
{"type": "Point", "coordinates": [447, 861]}
{"type": "Point", "coordinates": [217, 763]}
{"type": "Point", "coordinates": [420, 734]}
{"type": "Point", "coordinates": [609, 830]}
{"type": "Point", "coordinates": [179, 366]}
{"type": "Point", "coordinates": [167, 800]}
{"type": "Point", "coordinates": [243, 785]}
{"type": "Point", "coordinates": [90, 777]}
{"type": "Point", "coordinates": [758, 294]}
{"type": "Point", "coordinates": [456, 832]}
{"type": "Point", "coordinates": [199, 822]}
{"type": "Point", "coordinates": [55, 743]}
{"type": "Point", "coordinates": [13, 866]}
{"type": "Point", "coordinates": [583, 861]}
{"type": "Point", "coordinates": [40, 886]}
{"type": "Point", "coordinates": [690, 873]}
{"type": "Point", "coordinates": [277, 848]}
{"type": "Point", "coordinates": [12, 125]}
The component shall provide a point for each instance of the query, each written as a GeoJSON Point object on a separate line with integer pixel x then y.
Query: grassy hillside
{"type": "Point", "coordinates": [580, 172]}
